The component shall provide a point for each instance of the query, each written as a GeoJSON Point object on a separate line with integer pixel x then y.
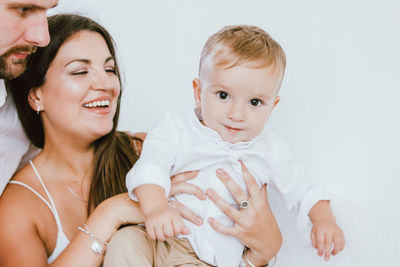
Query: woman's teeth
{"type": "Point", "coordinates": [102, 103]}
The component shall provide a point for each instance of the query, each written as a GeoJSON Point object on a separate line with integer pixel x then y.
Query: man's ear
{"type": "Point", "coordinates": [197, 92]}
{"type": "Point", "coordinates": [34, 99]}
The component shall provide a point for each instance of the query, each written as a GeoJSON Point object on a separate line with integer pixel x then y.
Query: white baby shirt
{"type": "Point", "coordinates": [181, 143]}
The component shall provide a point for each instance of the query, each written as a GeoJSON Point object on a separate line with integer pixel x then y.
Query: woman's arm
{"type": "Point", "coordinates": [103, 222]}
{"type": "Point", "coordinates": [22, 245]}
{"type": "Point", "coordinates": [255, 226]}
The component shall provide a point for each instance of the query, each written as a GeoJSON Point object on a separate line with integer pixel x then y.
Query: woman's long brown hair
{"type": "Point", "coordinates": [114, 153]}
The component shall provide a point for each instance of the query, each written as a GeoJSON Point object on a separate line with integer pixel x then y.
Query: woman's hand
{"type": "Point", "coordinates": [113, 212]}
{"type": "Point", "coordinates": [123, 210]}
{"type": "Point", "coordinates": [179, 185]}
{"type": "Point", "coordinates": [255, 226]}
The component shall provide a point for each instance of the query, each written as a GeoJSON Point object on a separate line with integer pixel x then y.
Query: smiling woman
{"type": "Point", "coordinates": [82, 73]}
{"type": "Point", "coordinates": [70, 199]}
{"type": "Point", "coordinates": [80, 145]}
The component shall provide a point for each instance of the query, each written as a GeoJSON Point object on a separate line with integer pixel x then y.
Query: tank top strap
{"type": "Point", "coordinates": [35, 192]}
{"type": "Point", "coordinates": [62, 240]}
{"type": "Point", "coordinates": [54, 209]}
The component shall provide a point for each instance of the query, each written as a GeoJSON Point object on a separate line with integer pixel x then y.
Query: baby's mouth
{"type": "Point", "coordinates": [232, 130]}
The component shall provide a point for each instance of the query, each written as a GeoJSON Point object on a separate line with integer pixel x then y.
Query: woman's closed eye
{"type": "Point", "coordinates": [111, 70]}
{"type": "Point", "coordinates": [79, 72]}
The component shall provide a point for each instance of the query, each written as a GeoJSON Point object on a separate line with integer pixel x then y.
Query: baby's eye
{"type": "Point", "coordinates": [255, 102]}
{"type": "Point", "coordinates": [222, 95]}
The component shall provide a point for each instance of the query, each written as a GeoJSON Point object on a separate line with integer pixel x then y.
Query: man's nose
{"type": "Point", "coordinates": [101, 80]}
{"type": "Point", "coordinates": [37, 30]}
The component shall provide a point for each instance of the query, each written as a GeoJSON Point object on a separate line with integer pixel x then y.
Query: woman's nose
{"type": "Point", "coordinates": [101, 80]}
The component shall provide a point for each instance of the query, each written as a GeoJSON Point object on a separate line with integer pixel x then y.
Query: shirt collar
{"type": "Point", "coordinates": [3, 93]}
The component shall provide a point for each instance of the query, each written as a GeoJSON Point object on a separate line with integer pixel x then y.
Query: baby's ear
{"type": "Point", "coordinates": [34, 99]}
{"type": "Point", "coordinates": [197, 92]}
{"type": "Point", "coordinates": [277, 99]}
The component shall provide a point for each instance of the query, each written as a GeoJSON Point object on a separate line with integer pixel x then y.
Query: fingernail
{"type": "Point", "coordinates": [199, 220]}
{"type": "Point", "coordinates": [220, 172]}
{"type": "Point", "coordinates": [209, 193]}
{"type": "Point", "coordinates": [209, 220]}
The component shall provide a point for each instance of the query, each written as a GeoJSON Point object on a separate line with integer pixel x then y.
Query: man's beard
{"type": "Point", "coordinates": [11, 69]}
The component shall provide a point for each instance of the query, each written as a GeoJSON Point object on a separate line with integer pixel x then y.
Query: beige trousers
{"type": "Point", "coordinates": [131, 246]}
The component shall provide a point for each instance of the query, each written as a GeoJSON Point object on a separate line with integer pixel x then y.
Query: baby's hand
{"type": "Point", "coordinates": [163, 223]}
{"type": "Point", "coordinates": [324, 234]}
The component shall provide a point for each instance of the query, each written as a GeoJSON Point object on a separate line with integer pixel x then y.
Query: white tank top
{"type": "Point", "coordinates": [62, 240]}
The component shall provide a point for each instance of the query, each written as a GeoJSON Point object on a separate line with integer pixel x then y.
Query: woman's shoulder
{"type": "Point", "coordinates": [18, 206]}
{"type": "Point", "coordinates": [22, 215]}
{"type": "Point", "coordinates": [17, 198]}
{"type": "Point", "coordinates": [23, 174]}
{"type": "Point", "coordinates": [26, 175]}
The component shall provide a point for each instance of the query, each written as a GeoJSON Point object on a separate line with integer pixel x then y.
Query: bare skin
{"type": "Point", "coordinates": [325, 232]}
{"type": "Point", "coordinates": [39, 230]}
{"type": "Point", "coordinates": [254, 226]}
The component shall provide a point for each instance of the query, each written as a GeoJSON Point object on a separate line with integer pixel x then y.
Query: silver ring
{"type": "Point", "coordinates": [244, 204]}
{"type": "Point", "coordinates": [171, 203]}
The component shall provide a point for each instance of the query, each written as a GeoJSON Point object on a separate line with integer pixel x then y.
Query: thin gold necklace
{"type": "Point", "coordinates": [67, 186]}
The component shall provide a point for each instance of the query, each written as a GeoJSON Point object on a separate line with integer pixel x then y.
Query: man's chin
{"type": "Point", "coordinates": [12, 66]}
{"type": "Point", "coordinates": [9, 71]}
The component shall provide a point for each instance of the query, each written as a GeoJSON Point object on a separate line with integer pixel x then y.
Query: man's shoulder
{"type": "Point", "coordinates": [3, 93]}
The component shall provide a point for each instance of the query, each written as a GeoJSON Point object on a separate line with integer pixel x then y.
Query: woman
{"type": "Point", "coordinates": [64, 206]}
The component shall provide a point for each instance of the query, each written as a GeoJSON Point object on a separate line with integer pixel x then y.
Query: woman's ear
{"type": "Point", "coordinates": [197, 92]}
{"type": "Point", "coordinates": [34, 99]}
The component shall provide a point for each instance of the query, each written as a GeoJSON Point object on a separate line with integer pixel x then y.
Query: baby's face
{"type": "Point", "coordinates": [237, 102]}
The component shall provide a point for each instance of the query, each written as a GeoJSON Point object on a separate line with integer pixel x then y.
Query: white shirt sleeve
{"type": "Point", "coordinates": [287, 177]}
{"type": "Point", "coordinates": [157, 157]}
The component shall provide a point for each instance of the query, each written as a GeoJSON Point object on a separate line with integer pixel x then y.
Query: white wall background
{"type": "Point", "coordinates": [340, 100]}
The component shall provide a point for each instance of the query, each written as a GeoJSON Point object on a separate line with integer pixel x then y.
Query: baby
{"type": "Point", "coordinates": [240, 74]}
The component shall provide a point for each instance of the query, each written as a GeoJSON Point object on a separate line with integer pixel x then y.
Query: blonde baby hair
{"type": "Point", "coordinates": [238, 45]}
